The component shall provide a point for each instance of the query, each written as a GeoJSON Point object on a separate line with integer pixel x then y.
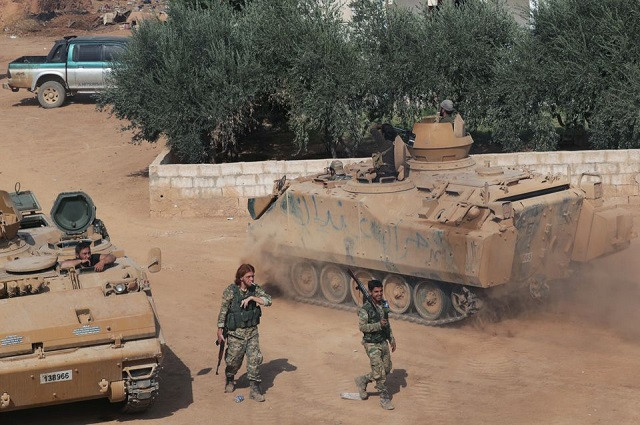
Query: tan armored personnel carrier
{"type": "Point", "coordinates": [74, 334]}
{"type": "Point", "coordinates": [440, 231]}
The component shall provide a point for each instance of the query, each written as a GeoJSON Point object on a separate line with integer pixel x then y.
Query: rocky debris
{"type": "Point", "coordinates": [57, 16]}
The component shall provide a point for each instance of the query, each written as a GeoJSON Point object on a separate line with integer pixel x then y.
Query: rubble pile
{"type": "Point", "coordinates": [57, 17]}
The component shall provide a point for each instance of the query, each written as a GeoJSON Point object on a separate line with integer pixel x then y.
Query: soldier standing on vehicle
{"type": "Point", "coordinates": [238, 327]}
{"type": "Point", "coordinates": [374, 324]}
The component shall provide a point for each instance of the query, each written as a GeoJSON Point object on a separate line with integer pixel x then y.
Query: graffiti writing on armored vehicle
{"type": "Point", "coordinates": [442, 232]}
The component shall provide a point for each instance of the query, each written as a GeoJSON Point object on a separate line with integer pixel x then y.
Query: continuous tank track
{"type": "Point", "coordinates": [411, 299]}
{"type": "Point", "coordinates": [406, 317]}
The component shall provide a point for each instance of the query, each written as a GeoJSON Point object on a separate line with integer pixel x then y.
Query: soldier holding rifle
{"type": "Point", "coordinates": [377, 337]}
{"type": "Point", "coordinates": [238, 327]}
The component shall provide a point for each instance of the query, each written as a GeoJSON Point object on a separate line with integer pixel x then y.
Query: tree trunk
{"type": "Point", "coordinates": [207, 145]}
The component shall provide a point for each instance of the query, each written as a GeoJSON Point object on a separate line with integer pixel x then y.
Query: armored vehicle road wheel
{"type": "Point", "coordinates": [304, 277]}
{"type": "Point", "coordinates": [334, 283]}
{"type": "Point", "coordinates": [397, 292]}
{"type": "Point", "coordinates": [51, 94]}
{"type": "Point", "coordinates": [430, 300]}
{"type": "Point", "coordinates": [364, 276]}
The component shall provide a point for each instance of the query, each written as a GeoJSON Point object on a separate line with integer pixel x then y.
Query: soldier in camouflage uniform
{"type": "Point", "coordinates": [447, 112]}
{"type": "Point", "coordinates": [238, 325]}
{"type": "Point", "coordinates": [377, 337]}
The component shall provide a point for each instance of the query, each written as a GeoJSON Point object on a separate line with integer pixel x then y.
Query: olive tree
{"type": "Point", "coordinates": [517, 110]}
{"type": "Point", "coordinates": [311, 68]}
{"type": "Point", "coordinates": [419, 58]}
{"type": "Point", "coordinates": [464, 42]}
{"type": "Point", "coordinates": [390, 41]}
{"type": "Point", "coordinates": [191, 79]}
{"type": "Point", "coordinates": [575, 73]}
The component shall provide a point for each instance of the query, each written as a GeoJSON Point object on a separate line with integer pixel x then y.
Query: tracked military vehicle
{"type": "Point", "coordinates": [442, 232]}
{"type": "Point", "coordinates": [72, 334]}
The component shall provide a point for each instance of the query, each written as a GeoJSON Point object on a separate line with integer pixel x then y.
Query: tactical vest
{"type": "Point", "coordinates": [238, 317]}
{"type": "Point", "coordinates": [374, 317]}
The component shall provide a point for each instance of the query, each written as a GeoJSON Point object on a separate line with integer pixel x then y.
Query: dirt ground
{"type": "Point", "coordinates": [571, 361]}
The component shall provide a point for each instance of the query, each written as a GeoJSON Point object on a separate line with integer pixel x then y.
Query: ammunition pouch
{"type": "Point", "coordinates": [243, 319]}
{"type": "Point", "coordinates": [238, 317]}
{"type": "Point", "coordinates": [374, 337]}
{"type": "Point", "coordinates": [374, 317]}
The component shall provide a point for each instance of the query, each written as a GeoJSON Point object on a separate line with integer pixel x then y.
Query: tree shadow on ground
{"type": "Point", "coordinates": [81, 99]}
{"type": "Point", "coordinates": [175, 393]}
{"type": "Point", "coordinates": [269, 371]}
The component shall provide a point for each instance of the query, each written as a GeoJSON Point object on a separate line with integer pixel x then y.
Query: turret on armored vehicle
{"type": "Point", "coordinates": [72, 334]}
{"type": "Point", "coordinates": [442, 232]}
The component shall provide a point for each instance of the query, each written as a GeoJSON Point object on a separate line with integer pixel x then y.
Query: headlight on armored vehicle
{"type": "Point", "coordinates": [120, 288]}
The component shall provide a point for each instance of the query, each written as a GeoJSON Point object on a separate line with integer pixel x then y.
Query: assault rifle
{"type": "Point", "coordinates": [220, 351]}
{"type": "Point", "coordinates": [367, 297]}
{"type": "Point", "coordinates": [365, 294]}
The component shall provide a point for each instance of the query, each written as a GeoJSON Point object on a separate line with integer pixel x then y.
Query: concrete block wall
{"type": "Point", "coordinates": [192, 190]}
{"type": "Point", "coordinates": [219, 190]}
{"type": "Point", "coordinates": [619, 169]}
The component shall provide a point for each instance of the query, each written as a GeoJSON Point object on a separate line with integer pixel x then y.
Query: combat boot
{"type": "Point", "coordinates": [361, 384]}
{"type": "Point", "coordinates": [229, 386]}
{"type": "Point", "coordinates": [255, 393]}
{"type": "Point", "coordinates": [385, 401]}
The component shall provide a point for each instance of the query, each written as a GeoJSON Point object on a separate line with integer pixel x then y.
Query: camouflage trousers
{"type": "Point", "coordinates": [240, 342]}
{"type": "Point", "coordinates": [380, 360]}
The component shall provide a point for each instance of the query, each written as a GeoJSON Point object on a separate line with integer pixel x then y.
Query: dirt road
{"type": "Point", "coordinates": [572, 361]}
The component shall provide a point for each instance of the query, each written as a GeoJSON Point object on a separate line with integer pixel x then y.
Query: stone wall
{"type": "Point", "coordinates": [190, 190]}
{"type": "Point", "coordinates": [619, 169]}
{"type": "Point", "coordinates": [218, 190]}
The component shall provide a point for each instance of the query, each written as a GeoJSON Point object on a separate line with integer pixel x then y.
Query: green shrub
{"type": "Point", "coordinates": [579, 66]}
{"type": "Point", "coordinates": [215, 71]}
{"type": "Point", "coordinates": [391, 42]}
{"type": "Point", "coordinates": [517, 110]}
{"type": "Point", "coordinates": [191, 79]}
{"type": "Point", "coordinates": [416, 60]}
{"type": "Point", "coordinates": [311, 68]}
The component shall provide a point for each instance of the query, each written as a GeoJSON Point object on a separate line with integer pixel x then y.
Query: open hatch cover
{"type": "Point", "coordinates": [25, 202]}
{"type": "Point", "coordinates": [73, 212]}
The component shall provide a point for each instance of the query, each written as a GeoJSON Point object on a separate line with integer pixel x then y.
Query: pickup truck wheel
{"type": "Point", "coordinates": [51, 94]}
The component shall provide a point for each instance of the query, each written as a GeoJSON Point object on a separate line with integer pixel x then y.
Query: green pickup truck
{"type": "Point", "coordinates": [74, 65]}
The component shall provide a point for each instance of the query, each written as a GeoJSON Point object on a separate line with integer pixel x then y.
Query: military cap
{"type": "Point", "coordinates": [337, 167]}
{"type": "Point", "coordinates": [447, 105]}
